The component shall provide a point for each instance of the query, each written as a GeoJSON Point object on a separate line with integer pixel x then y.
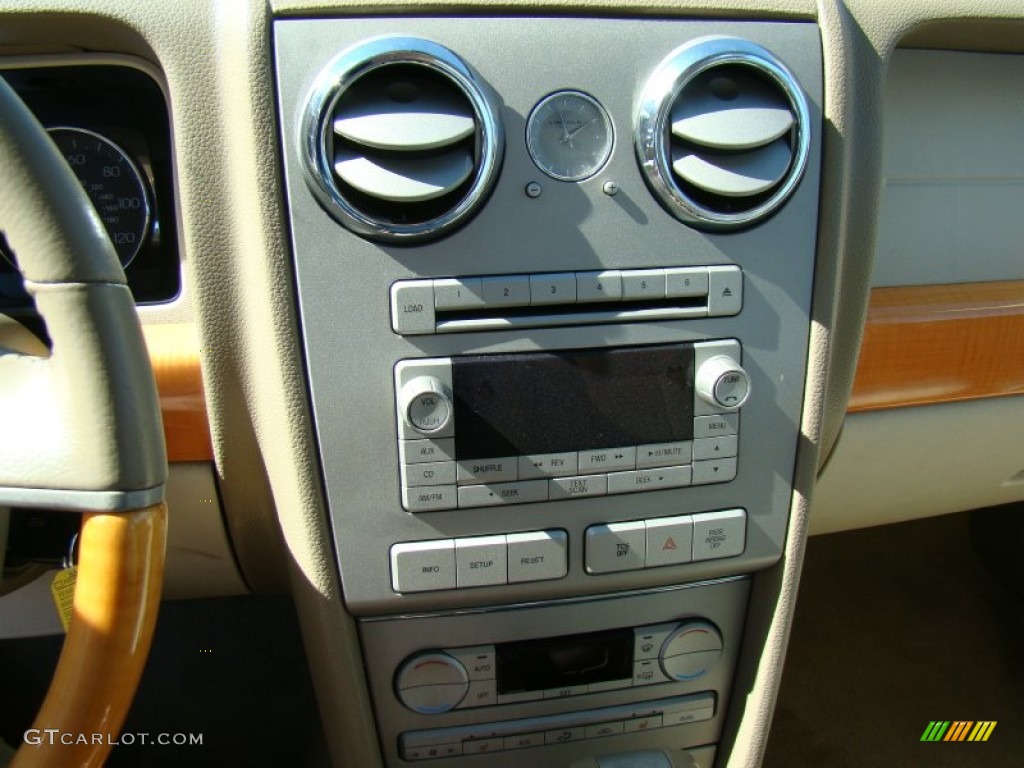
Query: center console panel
{"type": "Point", "coordinates": [554, 280]}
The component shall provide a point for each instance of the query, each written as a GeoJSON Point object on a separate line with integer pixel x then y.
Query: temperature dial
{"type": "Point", "coordinates": [722, 382]}
{"type": "Point", "coordinates": [432, 683]}
{"type": "Point", "coordinates": [691, 650]}
{"type": "Point", "coordinates": [427, 405]}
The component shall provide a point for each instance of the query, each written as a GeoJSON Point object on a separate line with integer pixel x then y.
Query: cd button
{"type": "Point", "coordinates": [608, 460]}
{"type": "Point", "coordinates": [548, 465]}
{"type": "Point", "coordinates": [473, 471]}
{"type": "Point", "coordinates": [430, 473]}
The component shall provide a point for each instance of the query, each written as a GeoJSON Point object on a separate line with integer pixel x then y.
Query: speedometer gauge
{"type": "Point", "coordinates": [114, 184]}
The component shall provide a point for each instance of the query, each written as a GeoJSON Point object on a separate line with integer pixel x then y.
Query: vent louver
{"type": "Point", "coordinates": [403, 142]}
{"type": "Point", "coordinates": [722, 133]}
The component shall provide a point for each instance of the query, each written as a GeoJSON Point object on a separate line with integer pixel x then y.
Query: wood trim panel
{"type": "Point", "coordinates": [174, 353]}
{"type": "Point", "coordinates": [939, 344]}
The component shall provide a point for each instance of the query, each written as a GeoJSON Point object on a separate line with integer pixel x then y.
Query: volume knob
{"type": "Point", "coordinates": [431, 683]}
{"type": "Point", "coordinates": [426, 405]}
{"type": "Point", "coordinates": [722, 382]}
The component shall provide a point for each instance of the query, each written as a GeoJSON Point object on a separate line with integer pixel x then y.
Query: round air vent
{"type": "Point", "coordinates": [722, 133]}
{"type": "Point", "coordinates": [402, 139]}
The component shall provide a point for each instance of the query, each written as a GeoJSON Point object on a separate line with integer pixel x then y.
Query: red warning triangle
{"type": "Point", "coordinates": [670, 544]}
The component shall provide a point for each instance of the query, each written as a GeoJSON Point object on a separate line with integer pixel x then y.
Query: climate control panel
{"type": "Point", "coordinates": [436, 681]}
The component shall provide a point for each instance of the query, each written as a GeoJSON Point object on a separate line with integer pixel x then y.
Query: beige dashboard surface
{"type": "Point", "coordinates": [217, 60]}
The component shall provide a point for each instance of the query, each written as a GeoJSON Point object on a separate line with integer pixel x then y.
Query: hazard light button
{"type": "Point", "coordinates": [669, 540]}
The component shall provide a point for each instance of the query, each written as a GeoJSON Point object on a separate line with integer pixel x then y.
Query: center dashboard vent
{"type": "Point", "coordinates": [402, 139]}
{"type": "Point", "coordinates": [722, 133]}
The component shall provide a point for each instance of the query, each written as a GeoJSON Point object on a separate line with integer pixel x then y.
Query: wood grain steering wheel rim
{"type": "Point", "coordinates": [82, 432]}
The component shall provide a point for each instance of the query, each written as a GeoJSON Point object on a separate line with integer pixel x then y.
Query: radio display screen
{"type": "Point", "coordinates": [561, 662]}
{"type": "Point", "coordinates": [522, 404]}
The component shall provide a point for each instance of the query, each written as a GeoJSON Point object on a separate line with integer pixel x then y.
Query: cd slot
{"type": "Point", "coordinates": [456, 321]}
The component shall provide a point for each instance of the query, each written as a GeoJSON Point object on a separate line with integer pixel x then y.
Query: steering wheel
{"type": "Point", "coordinates": [80, 430]}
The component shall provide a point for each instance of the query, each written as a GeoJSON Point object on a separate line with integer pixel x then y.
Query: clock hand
{"type": "Point", "coordinates": [565, 131]}
{"type": "Point", "coordinates": [577, 129]}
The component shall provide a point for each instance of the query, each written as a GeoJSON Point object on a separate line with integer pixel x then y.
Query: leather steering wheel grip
{"type": "Point", "coordinates": [81, 428]}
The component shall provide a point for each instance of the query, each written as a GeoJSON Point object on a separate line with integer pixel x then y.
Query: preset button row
{"type": "Point", "coordinates": [423, 566]}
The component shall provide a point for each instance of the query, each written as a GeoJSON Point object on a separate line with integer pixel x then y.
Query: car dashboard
{"type": "Point", "coordinates": [515, 342]}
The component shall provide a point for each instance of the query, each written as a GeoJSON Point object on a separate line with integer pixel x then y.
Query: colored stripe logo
{"type": "Point", "coordinates": [958, 730]}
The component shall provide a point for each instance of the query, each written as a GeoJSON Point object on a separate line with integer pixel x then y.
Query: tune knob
{"type": "Point", "coordinates": [691, 650]}
{"type": "Point", "coordinates": [426, 404]}
{"type": "Point", "coordinates": [431, 683]}
{"type": "Point", "coordinates": [722, 382]}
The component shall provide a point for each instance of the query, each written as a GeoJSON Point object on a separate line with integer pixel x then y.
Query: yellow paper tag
{"type": "Point", "coordinates": [63, 590]}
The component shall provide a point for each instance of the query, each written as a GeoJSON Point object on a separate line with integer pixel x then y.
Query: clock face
{"type": "Point", "coordinates": [569, 136]}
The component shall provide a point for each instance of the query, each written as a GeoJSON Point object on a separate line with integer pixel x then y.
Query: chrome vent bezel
{"type": "Point", "coordinates": [653, 128]}
{"type": "Point", "coordinates": [316, 129]}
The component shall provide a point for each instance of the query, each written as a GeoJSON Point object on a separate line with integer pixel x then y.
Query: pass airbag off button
{"type": "Point", "coordinates": [719, 534]}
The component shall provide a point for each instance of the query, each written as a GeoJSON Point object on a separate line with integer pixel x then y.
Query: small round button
{"type": "Point", "coordinates": [431, 683]}
{"type": "Point", "coordinates": [722, 382]}
{"type": "Point", "coordinates": [426, 404]}
{"type": "Point", "coordinates": [691, 650]}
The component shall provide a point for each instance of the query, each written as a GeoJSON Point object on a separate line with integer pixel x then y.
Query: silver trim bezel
{"type": "Point", "coordinates": [653, 113]}
{"type": "Point", "coordinates": [348, 67]}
